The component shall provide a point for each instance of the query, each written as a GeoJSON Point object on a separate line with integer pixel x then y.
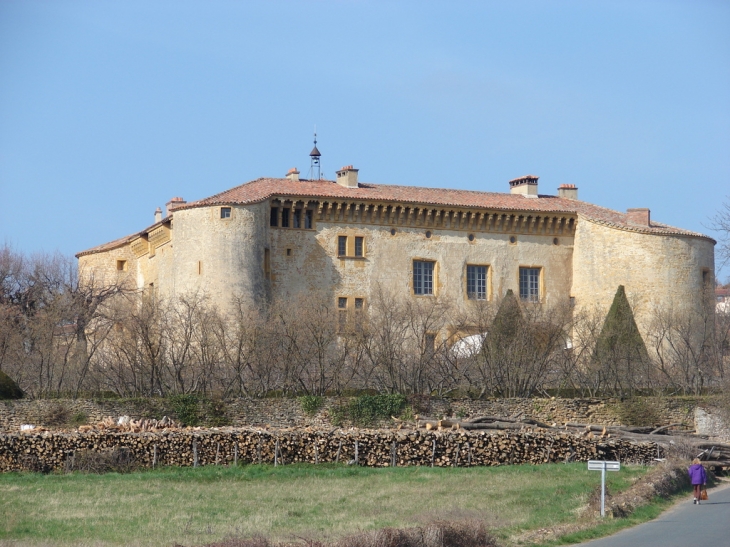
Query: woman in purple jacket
{"type": "Point", "coordinates": [698, 477]}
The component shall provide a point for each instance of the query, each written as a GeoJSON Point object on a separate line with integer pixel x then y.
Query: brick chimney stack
{"type": "Point", "coordinates": [173, 204]}
{"type": "Point", "coordinates": [293, 174]}
{"type": "Point", "coordinates": [527, 185]}
{"type": "Point", "coordinates": [568, 191]}
{"type": "Point", "coordinates": [639, 217]}
{"type": "Point", "coordinates": [347, 176]}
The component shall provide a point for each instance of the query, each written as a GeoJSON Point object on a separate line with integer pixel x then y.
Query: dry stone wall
{"type": "Point", "coordinates": [284, 412]}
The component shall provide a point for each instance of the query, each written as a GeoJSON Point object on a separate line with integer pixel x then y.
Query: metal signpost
{"type": "Point", "coordinates": [603, 466]}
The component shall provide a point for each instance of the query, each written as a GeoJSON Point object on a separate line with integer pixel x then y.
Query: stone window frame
{"type": "Point", "coordinates": [430, 339]}
{"type": "Point", "coordinates": [424, 286]}
{"type": "Point", "coordinates": [350, 313]}
{"type": "Point", "coordinates": [226, 212]}
{"type": "Point", "coordinates": [351, 243]}
{"type": "Point", "coordinates": [122, 265]}
{"type": "Point", "coordinates": [487, 282]}
{"type": "Point", "coordinates": [530, 285]}
{"type": "Point", "coordinates": [298, 216]}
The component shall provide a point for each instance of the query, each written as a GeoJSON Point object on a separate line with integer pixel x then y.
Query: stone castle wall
{"type": "Point", "coordinates": [220, 257]}
{"type": "Point", "coordinates": [659, 272]}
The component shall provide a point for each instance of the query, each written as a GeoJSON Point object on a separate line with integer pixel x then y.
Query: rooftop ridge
{"type": "Point", "coordinates": [263, 188]}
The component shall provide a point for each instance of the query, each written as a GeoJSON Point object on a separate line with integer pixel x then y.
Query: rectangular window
{"type": "Point", "coordinates": [423, 277]}
{"type": "Point", "coordinates": [308, 218]}
{"type": "Point", "coordinates": [430, 344]}
{"type": "Point", "coordinates": [341, 314]}
{"type": "Point", "coordinates": [476, 282]}
{"type": "Point", "coordinates": [359, 246]}
{"type": "Point", "coordinates": [285, 218]}
{"type": "Point", "coordinates": [358, 320]}
{"type": "Point", "coordinates": [530, 284]}
{"type": "Point", "coordinates": [122, 265]}
{"type": "Point", "coordinates": [342, 246]}
{"type": "Point", "coordinates": [297, 218]}
{"type": "Point", "coordinates": [274, 217]}
{"type": "Point", "coordinates": [225, 212]}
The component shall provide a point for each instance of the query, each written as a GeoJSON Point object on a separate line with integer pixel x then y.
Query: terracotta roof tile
{"type": "Point", "coordinates": [262, 189]}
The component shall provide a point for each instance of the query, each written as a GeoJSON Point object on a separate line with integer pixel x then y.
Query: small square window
{"type": "Point", "coordinates": [359, 246]}
{"type": "Point", "coordinates": [121, 265]}
{"type": "Point", "coordinates": [359, 303]}
{"type": "Point", "coordinates": [342, 302]}
{"type": "Point", "coordinates": [342, 246]}
{"type": "Point", "coordinates": [225, 212]}
{"type": "Point", "coordinates": [288, 252]}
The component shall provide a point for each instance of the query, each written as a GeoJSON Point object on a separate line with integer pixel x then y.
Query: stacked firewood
{"type": "Point", "coordinates": [374, 448]}
{"type": "Point", "coordinates": [669, 436]}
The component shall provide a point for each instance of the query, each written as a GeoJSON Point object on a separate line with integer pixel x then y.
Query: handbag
{"type": "Point", "coordinates": [703, 494]}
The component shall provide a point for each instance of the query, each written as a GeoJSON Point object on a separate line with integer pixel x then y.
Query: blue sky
{"type": "Point", "coordinates": [109, 109]}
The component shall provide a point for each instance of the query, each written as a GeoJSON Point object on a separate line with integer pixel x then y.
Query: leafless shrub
{"type": "Point", "coordinates": [56, 414]}
{"type": "Point", "coordinates": [681, 450]}
{"type": "Point", "coordinates": [439, 534]}
{"type": "Point", "coordinates": [118, 460]}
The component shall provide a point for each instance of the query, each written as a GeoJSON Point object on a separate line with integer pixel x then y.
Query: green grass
{"type": "Point", "coordinates": [611, 526]}
{"type": "Point", "coordinates": [195, 506]}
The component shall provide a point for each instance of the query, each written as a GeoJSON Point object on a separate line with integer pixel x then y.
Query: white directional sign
{"type": "Point", "coordinates": [603, 466]}
{"type": "Point", "coordinates": [600, 465]}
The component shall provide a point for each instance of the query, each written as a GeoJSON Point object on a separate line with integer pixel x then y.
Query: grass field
{"type": "Point", "coordinates": [196, 506]}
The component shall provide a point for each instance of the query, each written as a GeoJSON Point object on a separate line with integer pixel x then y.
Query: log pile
{"type": "Point", "coordinates": [668, 437]}
{"type": "Point", "coordinates": [374, 448]}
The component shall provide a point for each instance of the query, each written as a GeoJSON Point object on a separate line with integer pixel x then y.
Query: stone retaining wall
{"type": "Point", "coordinates": [288, 412]}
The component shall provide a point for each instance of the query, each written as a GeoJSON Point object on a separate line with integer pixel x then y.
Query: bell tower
{"type": "Point", "coordinates": [314, 155]}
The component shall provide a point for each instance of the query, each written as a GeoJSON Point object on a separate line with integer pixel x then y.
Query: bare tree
{"type": "Point", "coordinates": [721, 224]}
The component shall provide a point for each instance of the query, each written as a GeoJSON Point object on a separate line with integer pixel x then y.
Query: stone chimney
{"type": "Point", "coordinates": [347, 176]}
{"type": "Point", "coordinates": [568, 191]}
{"type": "Point", "coordinates": [173, 204]}
{"type": "Point", "coordinates": [639, 217]}
{"type": "Point", "coordinates": [293, 174]}
{"type": "Point", "coordinates": [158, 215]}
{"type": "Point", "coordinates": [526, 185]}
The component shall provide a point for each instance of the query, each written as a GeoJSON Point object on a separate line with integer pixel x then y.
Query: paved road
{"type": "Point", "coordinates": [683, 525]}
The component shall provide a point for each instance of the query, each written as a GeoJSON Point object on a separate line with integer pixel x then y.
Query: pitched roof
{"type": "Point", "coordinates": [263, 189]}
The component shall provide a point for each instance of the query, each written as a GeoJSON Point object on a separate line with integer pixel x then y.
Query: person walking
{"type": "Point", "coordinates": [698, 478]}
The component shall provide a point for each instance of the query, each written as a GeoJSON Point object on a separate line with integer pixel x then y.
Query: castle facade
{"type": "Point", "coordinates": [340, 239]}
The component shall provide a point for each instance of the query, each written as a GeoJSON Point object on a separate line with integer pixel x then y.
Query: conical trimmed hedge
{"type": "Point", "coordinates": [8, 388]}
{"type": "Point", "coordinates": [619, 346]}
